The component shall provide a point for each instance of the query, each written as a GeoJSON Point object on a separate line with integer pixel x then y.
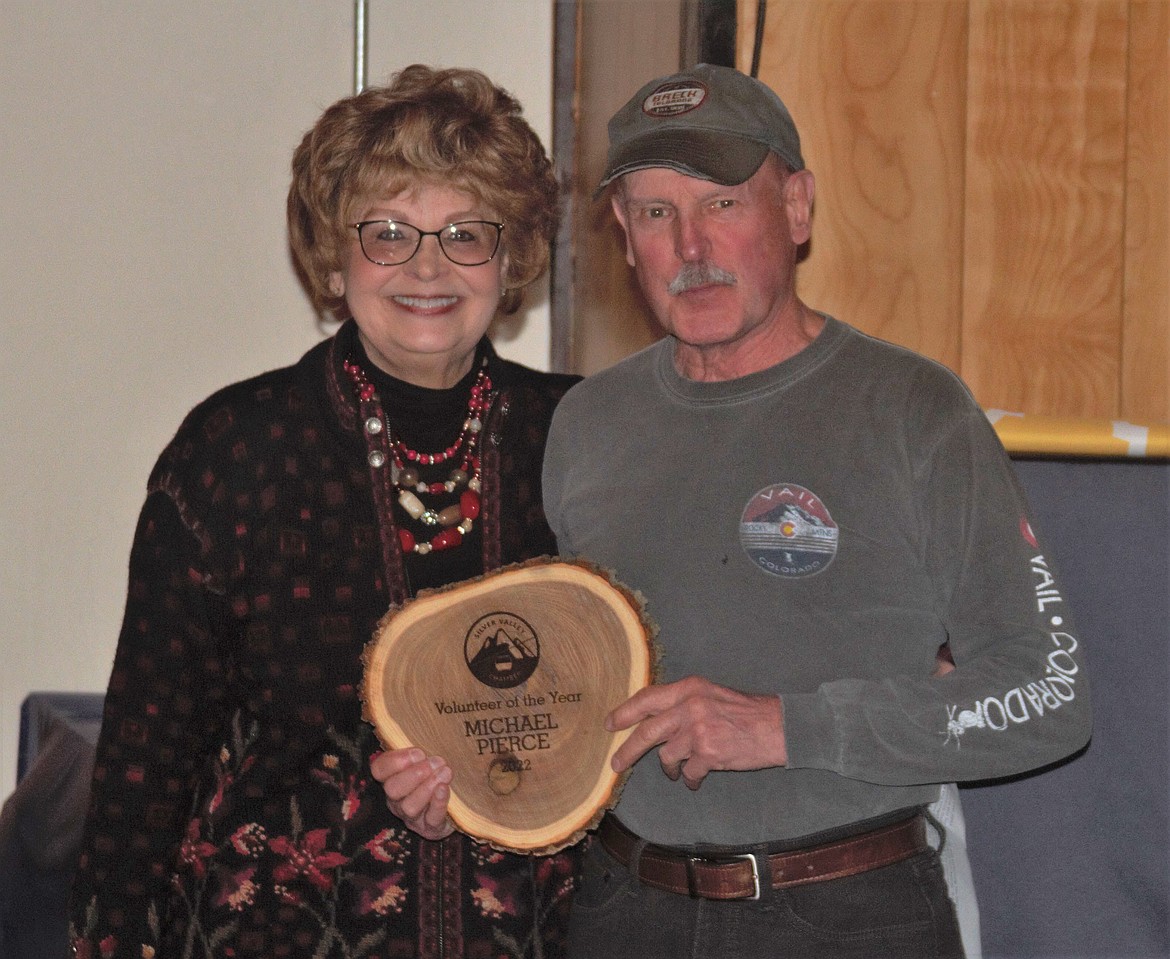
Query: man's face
{"type": "Point", "coordinates": [716, 262]}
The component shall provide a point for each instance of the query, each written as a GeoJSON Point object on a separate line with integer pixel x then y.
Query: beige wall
{"type": "Point", "coordinates": [144, 160]}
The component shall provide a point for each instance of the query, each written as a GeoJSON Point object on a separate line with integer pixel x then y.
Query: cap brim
{"type": "Point", "coordinates": [706, 155]}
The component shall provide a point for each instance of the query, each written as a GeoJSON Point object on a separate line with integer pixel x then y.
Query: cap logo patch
{"type": "Point", "coordinates": [673, 98]}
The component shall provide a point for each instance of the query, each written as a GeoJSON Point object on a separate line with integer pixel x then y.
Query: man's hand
{"type": "Point", "coordinates": [417, 789]}
{"type": "Point", "coordinates": [700, 726]}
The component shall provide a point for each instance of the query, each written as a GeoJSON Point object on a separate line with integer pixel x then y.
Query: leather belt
{"type": "Point", "coordinates": [736, 876]}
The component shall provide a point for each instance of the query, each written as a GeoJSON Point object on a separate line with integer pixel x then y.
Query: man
{"type": "Point", "coordinates": [811, 515]}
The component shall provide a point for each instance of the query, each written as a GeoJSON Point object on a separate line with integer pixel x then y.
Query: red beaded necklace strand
{"type": "Point", "coordinates": [456, 519]}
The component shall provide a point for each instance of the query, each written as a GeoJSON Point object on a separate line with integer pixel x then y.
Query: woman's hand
{"type": "Point", "coordinates": [417, 789]}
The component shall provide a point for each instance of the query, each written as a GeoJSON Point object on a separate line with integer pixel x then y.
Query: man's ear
{"type": "Point", "coordinates": [619, 213]}
{"type": "Point", "coordinates": [799, 190]}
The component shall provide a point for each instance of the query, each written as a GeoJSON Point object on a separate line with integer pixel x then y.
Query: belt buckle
{"type": "Point", "coordinates": [691, 884]}
{"type": "Point", "coordinates": [755, 875]}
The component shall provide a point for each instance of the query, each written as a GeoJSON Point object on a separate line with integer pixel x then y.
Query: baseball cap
{"type": "Point", "coordinates": [709, 122]}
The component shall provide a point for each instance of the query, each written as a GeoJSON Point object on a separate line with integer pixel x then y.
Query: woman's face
{"type": "Point", "coordinates": [421, 320]}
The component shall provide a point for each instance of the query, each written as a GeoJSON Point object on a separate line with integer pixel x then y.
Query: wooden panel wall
{"type": "Point", "coordinates": [993, 185]}
{"type": "Point", "coordinates": [1145, 355]}
{"type": "Point", "coordinates": [1044, 205]}
{"type": "Point", "coordinates": [877, 91]}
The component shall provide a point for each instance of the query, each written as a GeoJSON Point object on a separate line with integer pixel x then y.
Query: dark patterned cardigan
{"type": "Point", "coordinates": [233, 812]}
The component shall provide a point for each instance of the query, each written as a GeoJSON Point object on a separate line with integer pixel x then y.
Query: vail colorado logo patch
{"type": "Point", "coordinates": [787, 531]}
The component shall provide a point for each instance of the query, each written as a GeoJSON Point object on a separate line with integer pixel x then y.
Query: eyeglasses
{"type": "Point", "coordinates": [392, 242]}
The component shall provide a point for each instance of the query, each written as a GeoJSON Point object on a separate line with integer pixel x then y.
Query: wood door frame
{"type": "Point", "coordinates": [707, 34]}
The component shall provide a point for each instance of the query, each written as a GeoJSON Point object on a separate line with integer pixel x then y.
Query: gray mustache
{"type": "Point", "coordinates": [699, 274]}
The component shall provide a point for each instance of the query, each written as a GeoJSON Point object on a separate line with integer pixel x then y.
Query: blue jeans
{"type": "Point", "coordinates": [900, 912]}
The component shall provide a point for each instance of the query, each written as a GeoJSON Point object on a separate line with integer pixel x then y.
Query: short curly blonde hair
{"type": "Point", "coordinates": [452, 127]}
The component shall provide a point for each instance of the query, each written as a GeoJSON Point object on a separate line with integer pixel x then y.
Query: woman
{"type": "Point", "coordinates": [233, 810]}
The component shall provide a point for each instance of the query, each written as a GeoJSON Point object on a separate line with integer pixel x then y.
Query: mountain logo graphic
{"type": "Point", "coordinates": [787, 531]}
{"type": "Point", "coordinates": [501, 650]}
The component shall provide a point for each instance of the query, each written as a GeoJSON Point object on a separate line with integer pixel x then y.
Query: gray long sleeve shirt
{"type": "Point", "coordinates": [817, 530]}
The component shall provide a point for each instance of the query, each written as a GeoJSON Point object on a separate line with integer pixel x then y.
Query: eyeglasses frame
{"type": "Point", "coordinates": [437, 234]}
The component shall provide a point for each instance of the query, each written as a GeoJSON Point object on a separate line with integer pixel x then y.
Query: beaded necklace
{"type": "Point", "coordinates": [456, 519]}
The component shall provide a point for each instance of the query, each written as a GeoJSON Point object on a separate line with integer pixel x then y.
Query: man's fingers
{"type": "Point", "coordinates": [693, 773]}
{"type": "Point", "coordinates": [698, 727]}
{"type": "Point", "coordinates": [644, 703]}
{"type": "Point", "coordinates": [658, 714]}
{"type": "Point", "coordinates": [650, 732]}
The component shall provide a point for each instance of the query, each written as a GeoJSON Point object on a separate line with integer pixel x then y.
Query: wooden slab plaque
{"type": "Point", "coordinates": [509, 678]}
